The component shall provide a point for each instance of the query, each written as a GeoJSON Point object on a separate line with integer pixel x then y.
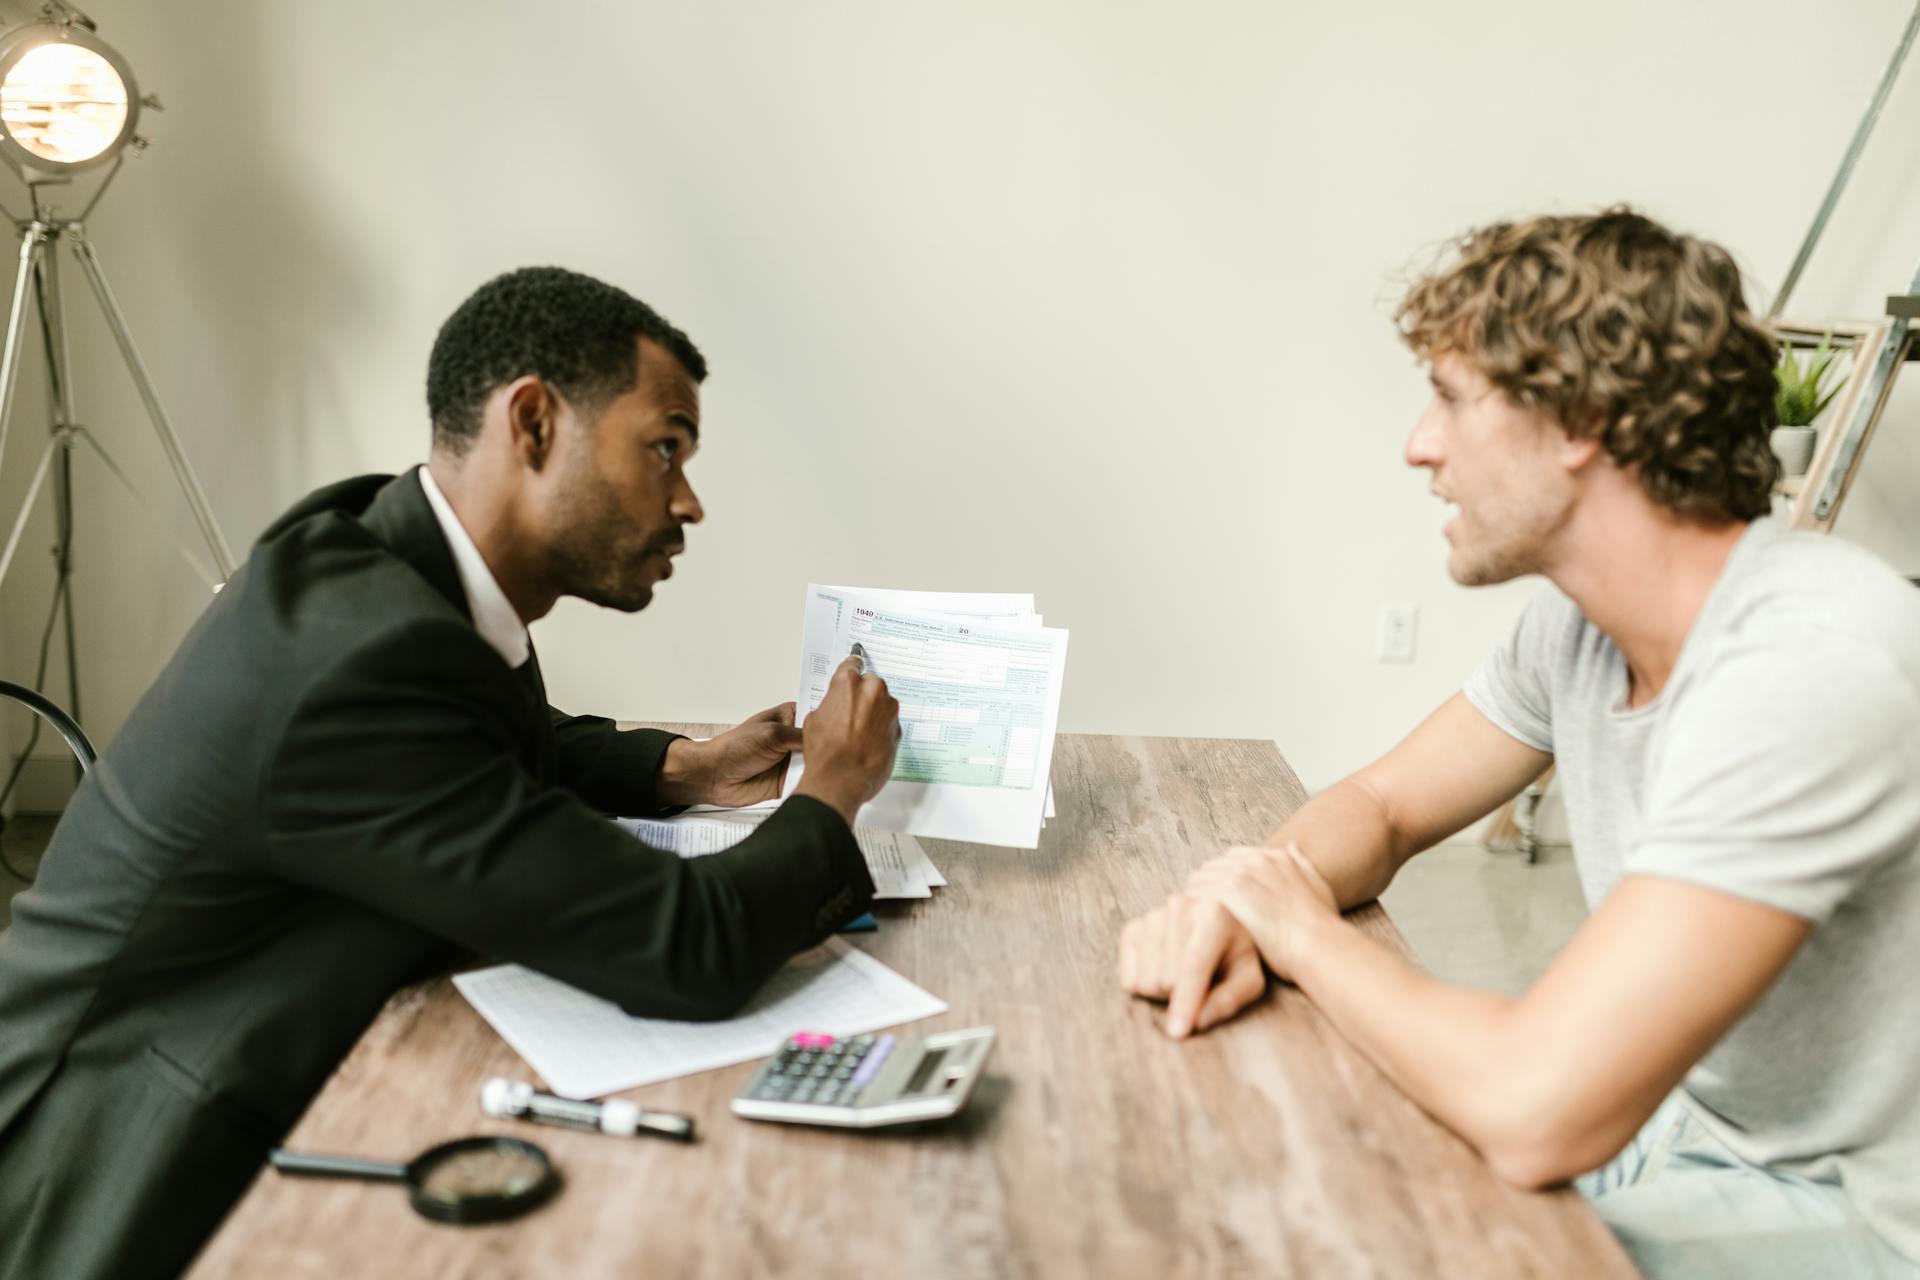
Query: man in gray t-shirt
{"type": "Point", "coordinates": [1726, 1056]}
{"type": "Point", "coordinates": [1780, 764]}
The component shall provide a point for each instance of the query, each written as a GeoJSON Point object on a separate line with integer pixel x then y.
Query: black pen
{"type": "Point", "coordinates": [866, 664]}
{"type": "Point", "coordinates": [616, 1116]}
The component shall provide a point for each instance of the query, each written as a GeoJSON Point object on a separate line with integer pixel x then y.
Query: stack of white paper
{"type": "Point", "coordinates": [978, 681]}
{"type": "Point", "coordinates": [584, 1047]}
{"type": "Point", "coordinates": [899, 866]}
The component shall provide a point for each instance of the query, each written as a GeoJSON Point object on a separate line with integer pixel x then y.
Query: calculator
{"type": "Point", "coordinates": [860, 1082]}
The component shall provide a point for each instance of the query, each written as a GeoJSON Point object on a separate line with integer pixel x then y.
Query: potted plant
{"type": "Point", "coordinates": [1800, 396]}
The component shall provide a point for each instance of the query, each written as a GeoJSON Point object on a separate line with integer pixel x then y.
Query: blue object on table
{"type": "Point", "coordinates": [861, 924]}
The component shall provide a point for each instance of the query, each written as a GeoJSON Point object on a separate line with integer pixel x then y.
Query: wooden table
{"type": "Point", "coordinates": [1094, 1147]}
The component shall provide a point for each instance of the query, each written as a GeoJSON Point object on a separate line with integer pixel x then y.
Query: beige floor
{"type": "Point", "coordinates": [1487, 920]}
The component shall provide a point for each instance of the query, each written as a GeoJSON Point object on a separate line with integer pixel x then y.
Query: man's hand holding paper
{"type": "Point", "coordinates": [745, 765]}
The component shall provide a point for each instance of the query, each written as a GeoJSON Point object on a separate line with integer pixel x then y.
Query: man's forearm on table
{"type": "Point", "coordinates": [613, 768]}
{"type": "Point", "coordinates": [1453, 1050]}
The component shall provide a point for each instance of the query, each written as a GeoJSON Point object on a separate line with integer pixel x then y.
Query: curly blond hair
{"type": "Point", "coordinates": [1622, 331]}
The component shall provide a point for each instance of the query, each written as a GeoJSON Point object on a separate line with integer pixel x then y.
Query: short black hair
{"type": "Point", "coordinates": [573, 331]}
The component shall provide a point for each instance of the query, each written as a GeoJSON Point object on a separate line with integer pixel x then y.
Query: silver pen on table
{"type": "Point", "coordinates": [616, 1116]}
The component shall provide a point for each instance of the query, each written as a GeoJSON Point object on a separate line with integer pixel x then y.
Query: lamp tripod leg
{"type": "Point", "coordinates": [33, 241]}
{"type": "Point", "coordinates": [63, 494]}
{"type": "Point", "coordinates": [53, 330]}
{"type": "Point", "coordinates": [54, 441]}
{"type": "Point", "coordinates": [81, 435]}
{"type": "Point", "coordinates": [182, 469]}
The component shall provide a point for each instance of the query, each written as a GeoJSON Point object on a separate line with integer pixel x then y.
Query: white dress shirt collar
{"type": "Point", "coordinates": [493, 614]}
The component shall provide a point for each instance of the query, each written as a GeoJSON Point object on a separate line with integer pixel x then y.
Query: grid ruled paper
{"type": "Point", "coordinates": [584, 1047]}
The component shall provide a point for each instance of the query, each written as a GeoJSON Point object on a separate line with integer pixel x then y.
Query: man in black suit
{"type": "Point", "coordinates": [348, 778]}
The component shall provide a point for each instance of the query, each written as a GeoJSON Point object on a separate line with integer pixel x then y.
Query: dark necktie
{"type": "Point", "coordinates": [528, 674]}
{"type": "Point", "coordinates": [540, 750]}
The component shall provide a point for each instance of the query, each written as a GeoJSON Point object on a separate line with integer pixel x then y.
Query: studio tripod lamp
{"type": "Point", "coordinates": [69, 106]}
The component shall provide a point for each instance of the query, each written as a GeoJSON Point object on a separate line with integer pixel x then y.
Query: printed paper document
{"type": "Point", "coordinates": [979, 691]}
{"type": "Point", "coordinates": [584, 1047]}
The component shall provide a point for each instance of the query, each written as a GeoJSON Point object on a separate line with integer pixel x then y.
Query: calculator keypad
{"type": "Point", "coordinates": [817, 1069]}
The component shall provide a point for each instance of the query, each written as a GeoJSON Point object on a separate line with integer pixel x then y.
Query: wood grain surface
{"type": "Point", "coordinates": [1094, 1147]}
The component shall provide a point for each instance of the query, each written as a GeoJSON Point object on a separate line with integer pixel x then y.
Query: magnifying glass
{"type": "Point", "coordinates": [466, 1181]}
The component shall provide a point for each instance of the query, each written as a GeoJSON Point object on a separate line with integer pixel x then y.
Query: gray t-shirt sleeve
{"type": "Point", "coordinates": [1788, 776]}
{"type": "Point", "coordinates": [1513, 686]}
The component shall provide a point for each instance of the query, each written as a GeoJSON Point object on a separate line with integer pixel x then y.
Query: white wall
{"type": "Point", "coordinates": [1090, 299]}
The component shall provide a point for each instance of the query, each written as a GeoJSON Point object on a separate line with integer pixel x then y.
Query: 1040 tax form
{"type": "Point", "coordinates": [978, 681]}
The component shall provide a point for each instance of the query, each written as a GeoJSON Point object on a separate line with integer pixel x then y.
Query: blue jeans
{"type": "Point", "coordinates": [1685, 1206]}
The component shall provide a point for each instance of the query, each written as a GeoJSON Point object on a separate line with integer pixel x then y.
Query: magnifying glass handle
{"type": "Point", "coordinates": [337, 1167]}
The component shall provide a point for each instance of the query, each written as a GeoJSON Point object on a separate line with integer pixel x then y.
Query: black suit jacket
{"type": "Point", "coordinates": [335, 787]}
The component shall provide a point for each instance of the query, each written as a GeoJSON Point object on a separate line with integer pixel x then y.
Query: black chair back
{"type": "Point", "coordinates": [50, 712]}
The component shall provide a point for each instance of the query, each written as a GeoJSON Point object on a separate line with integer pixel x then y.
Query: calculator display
{"type": "Point", "coordinates": [929, 1063]}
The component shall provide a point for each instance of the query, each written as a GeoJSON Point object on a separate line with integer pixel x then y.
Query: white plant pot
{"type": "Point", "coordinates": [1794, 447]}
